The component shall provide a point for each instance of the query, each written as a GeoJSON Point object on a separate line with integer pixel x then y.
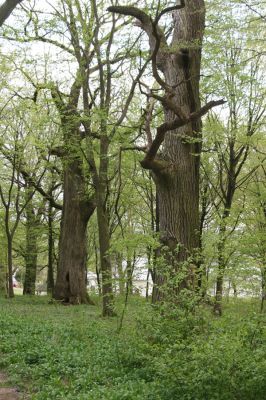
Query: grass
{"type": "Point", "coordinates": [58, 352]}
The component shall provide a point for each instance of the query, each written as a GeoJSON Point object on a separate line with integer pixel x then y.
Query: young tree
{"type": "Point", "coordinates": [32, 226]}
{"type": "Point", "coordinates": [231, 136]}
{"type": "Point", "coordinates": [13, 200]}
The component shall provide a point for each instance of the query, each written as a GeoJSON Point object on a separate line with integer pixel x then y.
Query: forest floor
{"type": "Point", "coordinates": [7, 392]}
{"type": "Point", "coordinates": [55, 352]}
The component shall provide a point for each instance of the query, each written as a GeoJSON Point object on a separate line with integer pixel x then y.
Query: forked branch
{"type": "Point", "coordinates": [149, 161]}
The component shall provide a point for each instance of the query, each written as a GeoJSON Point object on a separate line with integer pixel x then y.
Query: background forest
{"type": "Point", "coordinates": [133, 180]}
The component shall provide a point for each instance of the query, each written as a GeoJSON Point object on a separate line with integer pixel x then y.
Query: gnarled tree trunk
{"type": "Point", "coordinates": [71, 275]}
{"type": "Point", "coordinates": [177, 182]}
{"type": "Point", "coordinates": [77, 206]}
{"type": "Point", "coordinates": [175, 167]}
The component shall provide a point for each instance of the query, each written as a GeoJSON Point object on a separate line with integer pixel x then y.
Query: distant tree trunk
{"type": "Point", "coordinates": [104, 242]}
{"type": "Point", "coordinates": [231, 186]}
{"type": "Point", "coordinates": [147, 284]}
{"type": "Point", "coordinates": [31, 248]}
{"type": "Point", "coordinates": [129, 271]}
{"type": "Point", "coordinates": [10, 265]}
{"type": "Point", "coordinates": [201, 268]}
{"type": "Point", "coordinates": [121, 277]}
{"type": "Point", "coordinates": [234, 289]}
{"type": "Point", "coordinates": [3, 285]}
{"type": "Point", "coordinates": [100, 180]}
{"type": "Point", "coordinates": [220, 275]}
{"type": "Point", "coordinates": [50, 271]}
{"type": "Point", "coordinates": [98, 272]}
{"type": "Point", "coordinates": [263, 285]}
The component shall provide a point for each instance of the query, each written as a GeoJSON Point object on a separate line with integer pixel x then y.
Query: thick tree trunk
{"type": "Point", "coordinates": [178, 182]}
{"type": "Point", "coordinates": [176, 166]}
{"type": "Point", "coordinates": [71, 275]}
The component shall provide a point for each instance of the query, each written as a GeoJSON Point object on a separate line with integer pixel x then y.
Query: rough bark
{"type": "Point", "coordinates": [178, 182]}
{"type": "Point", "coordinates": [50, 269]}
{"type": "Point", "coordinates": [31, 250]}
{"type": "Point", "coordinates": [178, 186]}
{"type": "Point", "coordinates": [176, 167]}
{"type": "Point", "coordinates": [6, 9]}
{"type": "Point", "coordinates": [77, 206]}
{"type": "Point", "coordinates": [100, 180]}
{"type": "Point", "coordinates": [71, 275]}
{"type": "Point", "coordinates": [106, 267]}
{"type": "Point", "coordinates": [3, 283]}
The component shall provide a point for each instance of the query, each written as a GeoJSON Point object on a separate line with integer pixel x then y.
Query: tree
{"type": "Point", "coordinates": [14, 202]}
{"type": "Point", "coordinates": [78, 201]}
{"type": "Point", "coordinates": [79, 112]}
{"type": "Point", "coordinates": [31, 250]}
{"type": "Point", "coordinates": [6, 9]}
{"type": "Point", "coordinates": [175, 167]}
{"type": "Point", "coordinates": [230, 140]}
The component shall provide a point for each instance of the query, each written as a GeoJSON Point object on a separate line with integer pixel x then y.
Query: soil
{"type": "Point", "coordinates": [7, 392]}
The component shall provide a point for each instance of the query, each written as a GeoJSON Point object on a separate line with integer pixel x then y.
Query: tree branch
{"type": "Point", "coordinates": [7, 8]}
{"type": "Point", "coordinates": [148, 161]}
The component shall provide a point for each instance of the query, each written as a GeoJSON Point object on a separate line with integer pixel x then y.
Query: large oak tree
{"type": "Point", "coordinates": [173, 155]}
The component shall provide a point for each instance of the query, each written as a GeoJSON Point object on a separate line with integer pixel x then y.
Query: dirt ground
{"type": "Point", "coordinates": [7, 392]}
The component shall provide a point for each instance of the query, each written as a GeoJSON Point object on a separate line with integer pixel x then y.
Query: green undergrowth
{"type": "Point", "coordinates": [72, 353]}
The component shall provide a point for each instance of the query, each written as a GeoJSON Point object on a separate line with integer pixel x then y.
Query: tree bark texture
{"type": "Point", "coordinates": [101, 188]}
{"type": "Point", "coordinates": [228, 200]}
{"type": "Point", "coordinates": [177, 182]}
{"type": "Point", "coordinates": [106, 267]}
{"type": "Point", "coordinates": [31, 250]}
{"type": "Point", "coordinates": [77, 205]}
{"type": "Point", "coordinates": [3, 281]}
{"type": "Point", "coordinates": [71, 275]}
{"type": "Point", "coordinates": [6, 9]}
{"type": "Point", "coordinates": [10, 266]}
{"type": "Point", "coordinates": [51, 258]}
{"type": "Point", "coordinates": [175, 166]}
